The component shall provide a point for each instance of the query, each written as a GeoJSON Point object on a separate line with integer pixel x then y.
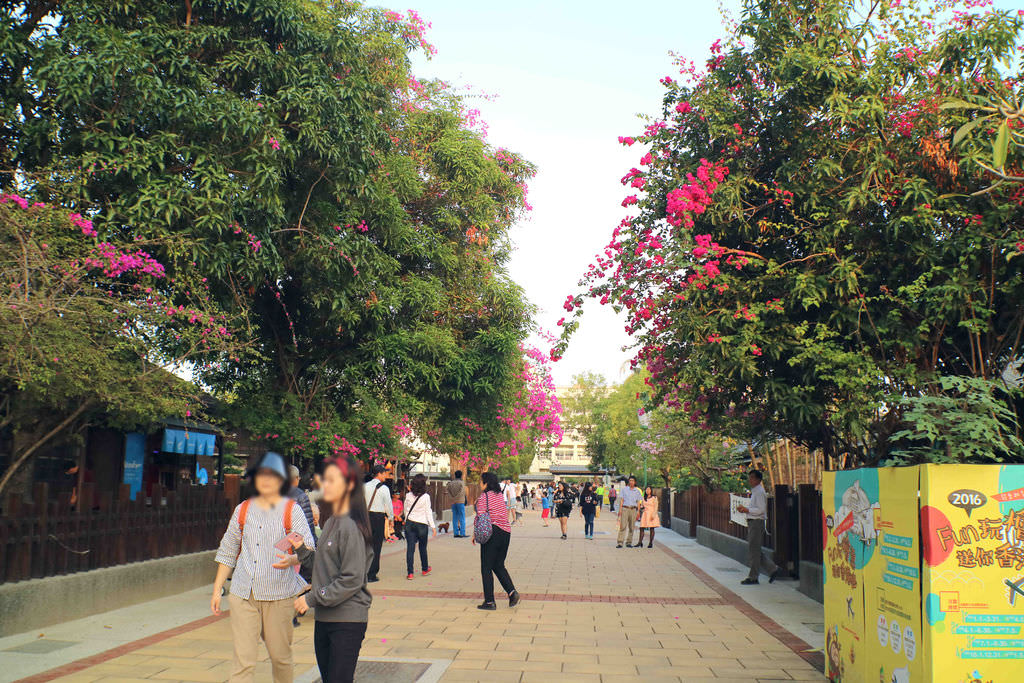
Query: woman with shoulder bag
{"type": "Point", "coordinates": [419, 521]}
{"type": "Point", "coordinates": [340, 566]}
{"type": "Point", "coordinates": [493, 532]}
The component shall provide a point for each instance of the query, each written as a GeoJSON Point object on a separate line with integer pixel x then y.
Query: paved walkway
{"type": "Point", "coordinates": [590, 612]}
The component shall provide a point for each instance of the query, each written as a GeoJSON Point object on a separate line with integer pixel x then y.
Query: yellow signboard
{"type": "Point", "coordinates": [892, 582]}
{"type": "Point", "coordinates": [972, 526]}
{"type": "Point", "coordinates": [848, 500]}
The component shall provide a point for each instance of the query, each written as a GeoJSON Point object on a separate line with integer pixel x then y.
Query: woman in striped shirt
{"type": "Point", "coordinates": [493, 552]}
{"type": "Point", "coordinates": [264, 583]}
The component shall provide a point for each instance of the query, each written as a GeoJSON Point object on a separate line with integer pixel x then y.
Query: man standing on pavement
{"type": "Point", "coordinates": [300, 496]}
{"type": "Point", "coordinates": [629, 502]}
{"type": "Point", "coordinates": [757, 516]}
{"type": "Point", "coordinates": [457, 490]}
{"type": "Point", "coordinates": [378, 503]}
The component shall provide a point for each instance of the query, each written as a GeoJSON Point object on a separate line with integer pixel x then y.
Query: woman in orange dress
{"type": "Point", "coordinates": [649, 516]}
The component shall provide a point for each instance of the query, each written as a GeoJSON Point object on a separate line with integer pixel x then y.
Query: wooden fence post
{"type": "Point", "coordinates": [782, 536]}
{"type": "Point", "coordinates": [695, 504]}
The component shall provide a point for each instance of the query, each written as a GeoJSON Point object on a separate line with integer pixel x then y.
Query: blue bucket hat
{"type": "Point", "coordinates": [274, 462]}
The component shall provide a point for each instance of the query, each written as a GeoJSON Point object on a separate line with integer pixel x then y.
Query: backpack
{"type": "Point", "coordinates": [482, 525]}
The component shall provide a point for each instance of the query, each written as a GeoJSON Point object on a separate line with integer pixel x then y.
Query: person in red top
{"type": "Point", "coordinates": [493, 552]}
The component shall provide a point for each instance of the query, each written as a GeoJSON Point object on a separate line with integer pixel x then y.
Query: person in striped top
{"type": "Point", "coordinates": [264, 583]}
{"type": "Point", "coordinates": [494, 551]}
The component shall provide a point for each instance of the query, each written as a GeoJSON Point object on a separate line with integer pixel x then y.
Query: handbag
{"type": "Point", "coordinates": [482, 525]}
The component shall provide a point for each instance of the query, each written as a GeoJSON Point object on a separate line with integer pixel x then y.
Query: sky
{"type": "Point", "coordinates": [569, 77]}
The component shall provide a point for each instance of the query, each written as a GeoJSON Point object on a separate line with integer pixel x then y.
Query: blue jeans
{"type": "Point", "coordinates": [416, 533]}
{"type": "Point", "coordinates": [588, 524]}
{"type": "Point", "coordinates": [459, 519]}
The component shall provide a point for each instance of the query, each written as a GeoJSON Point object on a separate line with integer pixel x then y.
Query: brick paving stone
{"type": "Point", "coordinates": [587, 615]}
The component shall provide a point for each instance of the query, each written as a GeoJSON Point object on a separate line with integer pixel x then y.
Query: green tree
{"type": "Point", "coordinates": [580, 405]}
{"type": "Point", "coordinates": [806, 247]}
{"type": "Point", "coordinates": [281, 151]}
{"type": "Point", "coordinates": [89, 330]}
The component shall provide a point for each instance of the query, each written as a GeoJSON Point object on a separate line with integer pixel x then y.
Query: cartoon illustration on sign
{"type": "Point", "coordinates": [835, 655]}
{"type": "Point", "coordinates": [856, 515]}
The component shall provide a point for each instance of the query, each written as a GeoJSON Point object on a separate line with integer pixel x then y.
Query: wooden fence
{"type": "Point", "coordinates": [50, 537]}
{"type": "Point", "coordinates": [794, 520]}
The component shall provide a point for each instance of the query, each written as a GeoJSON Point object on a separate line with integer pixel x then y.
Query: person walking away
{"type": "Point", "coordinates": [339, 595]}
{"type": "Point", "coordinates": [757, 517]}
{"type": "Point", "coordinates": [419, 522]}
{"type": "Point", "coordinates": [588, 508]}
{"type": "Point", "coordinates": [379, 507]}
{"type": "Point", "coordinates": [628, 506]}
{"type": "Point", "coordinates": [563, 507]}
{"type": "Point", "coordinates": [264, 583]}
{"type": "Point", "coordinates": [545, 507]}
{"type": "Point", "coordinates": [495, 549]}
{"type": "Point", "coordinates": [649, 518]}
{"type": "Point", "coordinates": [456, 489]}
{"type": "Point", "coordinates": [612, 496]}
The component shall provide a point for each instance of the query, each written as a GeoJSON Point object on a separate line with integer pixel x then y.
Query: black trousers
{"type": "Point", "coordinates": [416, 533]}
{"type": "Point", "coordinates": [337, 647]}
{"type": "Point", "coordinates": [492, 563]}
{"type": "Point", "coordinates": [377, 528]}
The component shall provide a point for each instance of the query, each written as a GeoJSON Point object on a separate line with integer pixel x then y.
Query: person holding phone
{"type": "Point", "coordinates": [340, 567]}
{"type": "Point", "coordinates": [256, 547]}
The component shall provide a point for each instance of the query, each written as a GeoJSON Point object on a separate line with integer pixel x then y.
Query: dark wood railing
{"type": "Point", "coordinates": [51, 537]}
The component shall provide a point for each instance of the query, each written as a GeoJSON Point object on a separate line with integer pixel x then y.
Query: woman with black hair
{"type": "Point", "coordinates": [495, 549]}
{"type": "Point", "coordinates": [563, 507]}
{"type": "Point", "coordinates": [340, 565]}
{"type": "Point", "coordinates": [419, 522]}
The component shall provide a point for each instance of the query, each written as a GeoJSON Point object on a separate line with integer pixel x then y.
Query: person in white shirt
{"type": "Point", "coordinates": [419, 517]}
{"type": "Point", "coordinates": [378, 504]}
{"type": "Point", "coordinates": [757, 517]}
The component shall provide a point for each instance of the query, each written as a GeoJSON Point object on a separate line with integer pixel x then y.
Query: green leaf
{"type": "Point", "coordinates": [1000, 146]}
{"type": "Point", "coordinates": [963, 130]}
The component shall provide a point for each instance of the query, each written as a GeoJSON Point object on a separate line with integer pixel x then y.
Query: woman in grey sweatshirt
{"type": "Point", "coordinates": [340, 563]}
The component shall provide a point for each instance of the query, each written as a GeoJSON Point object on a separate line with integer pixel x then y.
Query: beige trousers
{"type": "Point", "coordinates": [627, 518]}
{"type": "Point", "coordinates": [268, 619]}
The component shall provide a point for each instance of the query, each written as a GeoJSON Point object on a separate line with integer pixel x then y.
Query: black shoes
{"type": "Point", "coordinates": [748, 582]}
{"type": "Point", "coordinates": [372, 579]}
{"type": "Point", "coordinates": [490, 606]}
{"type": "Point", "coordinates": [771, 579]}
{"type": "Point", "coordinates": [564, 537]}
{"type": "Point", "coordinates": [619, 545]}
{"type": "Point", "coordinates": [650, 546]}
{"type": "Point", "coordinates": [513, 598]}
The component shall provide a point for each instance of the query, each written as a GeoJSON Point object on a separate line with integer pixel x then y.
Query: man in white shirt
{"type": "Point", "coordinates": [378, 504]}
{"type": "Point", "coordinates": [757, 517]}
{"type": "Point", "coordinates": [629, 504]}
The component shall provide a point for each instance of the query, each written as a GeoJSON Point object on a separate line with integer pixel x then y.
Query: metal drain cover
{"type": "Point", "coordinates": [374, 671]}
{"type": "Point", "coordinates": [728, 569]}
{"type": "Point", "coordinates": [41, 646]}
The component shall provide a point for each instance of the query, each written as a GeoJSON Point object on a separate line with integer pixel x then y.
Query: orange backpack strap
{"type": "Point", "coordinates": [243, 510]}
{"type": "Point", "coordinates": [289, 506]}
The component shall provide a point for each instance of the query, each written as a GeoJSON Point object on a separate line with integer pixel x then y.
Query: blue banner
{"type": "Point", "coordinates": [134, 457]}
